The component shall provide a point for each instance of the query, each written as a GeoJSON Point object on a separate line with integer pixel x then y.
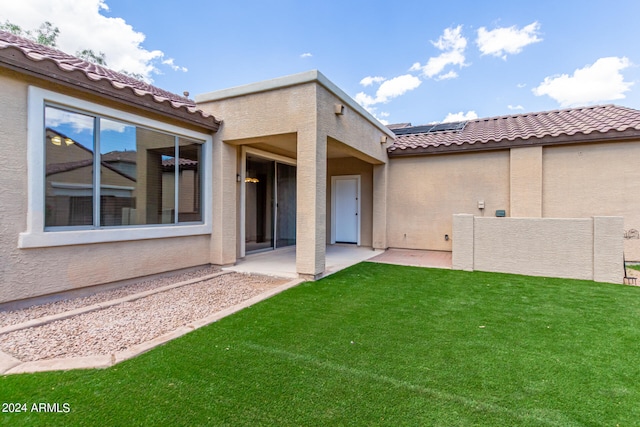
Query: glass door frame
{"type": "Point", "coordinates": [243, 190]}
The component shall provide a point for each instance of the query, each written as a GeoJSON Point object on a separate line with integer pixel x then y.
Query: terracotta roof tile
{"type": "Point", "coordinates": [130, 89]}
{"type": "Point", "coordinates": [169, 164]}
{"type": "Point", "coordinates": [598, 123]}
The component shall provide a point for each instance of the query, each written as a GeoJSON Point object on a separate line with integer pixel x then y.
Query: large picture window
{"type": "Point", "coordinates": [98, 174]}
{"type": "Point", "coordinates": [106, 173]}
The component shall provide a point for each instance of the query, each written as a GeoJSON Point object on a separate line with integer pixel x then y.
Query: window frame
{"type": "Point", "coordinates": [37, 236]}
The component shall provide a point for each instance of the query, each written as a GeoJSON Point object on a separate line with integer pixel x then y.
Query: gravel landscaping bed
{"type": "Point", "coordinates": [116, 328]}
{"type": "Point", "coordinates": [19, 316]}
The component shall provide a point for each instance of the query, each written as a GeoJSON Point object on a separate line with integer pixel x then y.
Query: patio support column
{"type": "Point", "coordinates": [311, 203]}
{"type": "Point", "coordinates": [223, 204]}
{"type": "Point", "coordinates": [380, 173]}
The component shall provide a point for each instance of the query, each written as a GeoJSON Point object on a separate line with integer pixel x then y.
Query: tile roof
{"type": "Point", "coordinates": [42, 61]}
{"type": "Point", "coordinates": [169, 164]}
{"type": "Point", "coordinates": [588, 124]}
{"type": "Point", "coordinates": [120, 156]}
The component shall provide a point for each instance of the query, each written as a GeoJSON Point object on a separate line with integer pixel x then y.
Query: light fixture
{"type": "Point", "coordinates": [57, 140]}
{"type": "Point", "coordinates": [338, 109]}
{"type": "Point", "coordinates": [383, 139]}
{"type": "Point", "coordinates": [252, 180]}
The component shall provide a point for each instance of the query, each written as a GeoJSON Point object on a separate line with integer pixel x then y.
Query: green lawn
{"type": "Point", "coordinates": [634, 266]}
{"type": "Point", "coordinates": [378, 345]}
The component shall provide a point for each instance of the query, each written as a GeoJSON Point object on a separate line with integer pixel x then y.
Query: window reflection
{"type": "Point", "coordinates": [69, 168]}
{"type": "Point", "coordinates": [133, 189]}
{"type": "Point", "coordinates": [189, 180]}
{"type": "Point", "coordinates": [137, 173]}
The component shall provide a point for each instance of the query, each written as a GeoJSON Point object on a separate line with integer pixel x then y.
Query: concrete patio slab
{"type": "Point", "coordinates": [282, 262]}
{"type": "Point", "coordinates": [414, 258]}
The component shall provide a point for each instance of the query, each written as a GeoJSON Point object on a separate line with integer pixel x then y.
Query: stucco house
{"type": "Point", "coordinates": [106, 178]}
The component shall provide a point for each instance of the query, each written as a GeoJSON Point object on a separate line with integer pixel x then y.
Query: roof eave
{"type": "Point", "coordinates": [14, 59]}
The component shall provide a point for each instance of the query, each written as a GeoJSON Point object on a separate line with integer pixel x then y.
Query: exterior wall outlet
{"type": "Point", "coordinates": [480, 204]}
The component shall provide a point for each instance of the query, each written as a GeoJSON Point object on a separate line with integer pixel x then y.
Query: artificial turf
{"type": "Point", "coordinates": [377, 345]}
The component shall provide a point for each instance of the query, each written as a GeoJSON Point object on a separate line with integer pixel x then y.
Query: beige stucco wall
{"type": "Point", "coordinates": [526, 181]}
{"type": "Point", "coordinates": [594, 179]}
{"type": "Point", "coordinates": [424, 192]}
{"type": "Point", "coordinates": [26, 273]}
{"type": "Point", "coordinates": [579, 248]}
{"type": "Point", "coordinates": [568, 181]}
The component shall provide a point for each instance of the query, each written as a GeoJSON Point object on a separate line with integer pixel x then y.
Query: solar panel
{"type": "Point", "coordinates": [440, 127]}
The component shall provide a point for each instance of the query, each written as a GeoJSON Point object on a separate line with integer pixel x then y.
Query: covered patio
{"type": "Point", "coordinates": [303, 165]}
{"type": "Point", "coordinates": [282, 262]}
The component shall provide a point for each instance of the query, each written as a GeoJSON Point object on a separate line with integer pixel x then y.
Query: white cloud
{"type": "Point", "coordinates": [515, 107]}
{"type": "Point", "coordinates": [368, 81]}
{"type": "Point", "coordinates": [396, 86]}
{"type": "Point", "coordinates": [364, 99]}
{"type": "Point", "coordinates": [601, 81]}
{"type": "Point", "coordinates": [79, 122]}
{"type": "Point", "coordinates": [521, 85]}
{"type": "Point", "coordinates": [174, 67]}
{"type": "Point", "coordinates": [306, 55]}
{"type": "Point", "coordinates": [460, 116]}
{"type": "Point", "coordinates": [83, 27]}
{"type": "Point", "coordinates": [507, 40]}
{"type": "Point", "coordinates": [450, 75]}
{"type": "Point", "coordinates": [388, 90]}
{"type": "Point", "coordinates": [381, 117]}
{"type": "Point", "coordinates": [453, 45]}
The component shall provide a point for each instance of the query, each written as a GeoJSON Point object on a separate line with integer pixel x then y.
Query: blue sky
{"type": "Point", "coordinates": [424, 61]}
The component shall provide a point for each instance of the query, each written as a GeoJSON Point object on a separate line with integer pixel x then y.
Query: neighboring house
{"type": "Point", "coordinates": [92, 192]}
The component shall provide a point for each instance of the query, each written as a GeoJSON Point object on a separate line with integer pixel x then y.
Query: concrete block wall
{"type": "Point", "coordinates": [576, 248]}
{"type": "Point", "coordinates": [607, 249]}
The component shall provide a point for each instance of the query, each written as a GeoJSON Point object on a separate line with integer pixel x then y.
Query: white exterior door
{"type": "Point", "coordinates": [346, 207]}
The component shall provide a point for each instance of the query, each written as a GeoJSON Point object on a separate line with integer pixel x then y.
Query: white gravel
{"type": "Point", "coordinates": [116, 328]}
{"type": "Point", "coordinates": [19, 316]}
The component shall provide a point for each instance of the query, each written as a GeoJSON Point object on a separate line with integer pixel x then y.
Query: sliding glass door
{"type": "Point", "coordinates": [286, 205]}
{"type": "Point", "coordinates": [270, 204]}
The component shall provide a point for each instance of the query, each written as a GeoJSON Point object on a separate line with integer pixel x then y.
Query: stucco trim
{"type": "Point", "coordinates": [35, 234]}
{"type": "Point", "coordinates": [312, 76]}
